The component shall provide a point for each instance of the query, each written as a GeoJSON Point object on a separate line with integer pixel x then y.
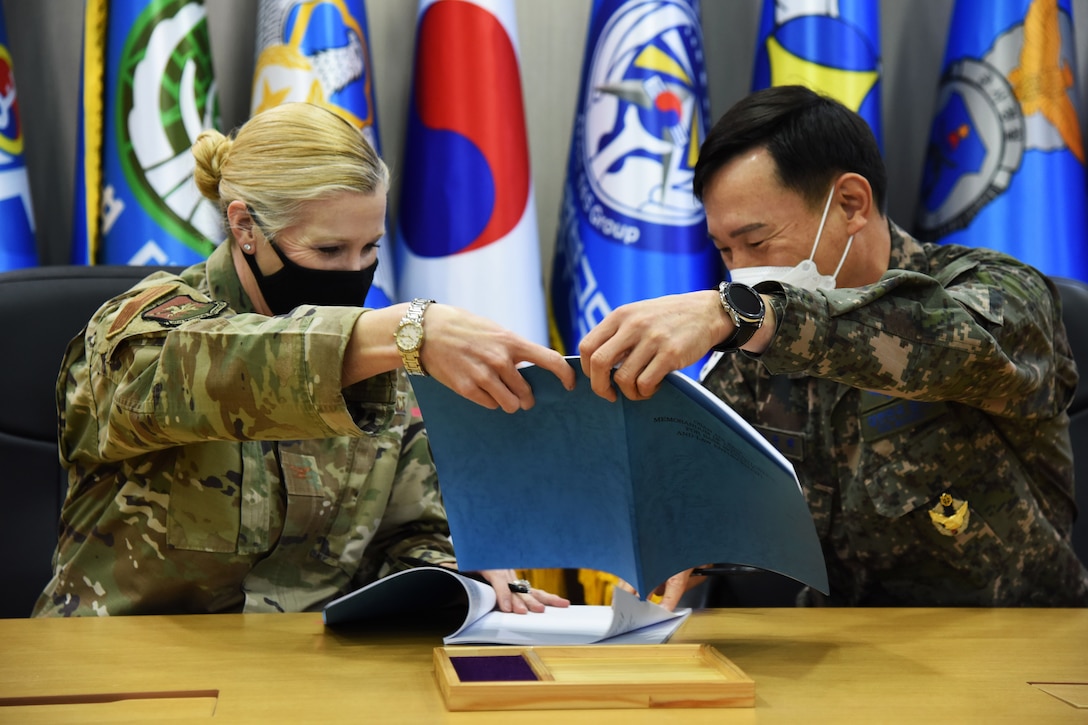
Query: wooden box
{"type": "Point", "coordinates": [589, 677]}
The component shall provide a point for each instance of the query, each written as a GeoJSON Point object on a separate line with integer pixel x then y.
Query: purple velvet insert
{"type": "Point", "coordinates": [500, 668]}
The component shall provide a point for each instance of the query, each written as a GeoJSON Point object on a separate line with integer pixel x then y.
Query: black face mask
{"type": "Point", "coordinates": [295, 285]}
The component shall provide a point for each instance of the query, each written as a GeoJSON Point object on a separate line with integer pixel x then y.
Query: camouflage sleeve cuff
{"type": "Point", "coordinates": [819, 333]}
{"type": "Point", "coordinates": [801, 322]}
{"type": "Point", "coordinates": [327, 341]}
{"type": "Point", "coordinates": [419, 556]}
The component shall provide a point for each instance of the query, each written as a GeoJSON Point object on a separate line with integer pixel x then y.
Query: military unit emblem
{"type": "Point", "coordinates": [314, 52]}
{"type": "Point", "coordinates": [992, 111]}
{"type": "Point", "coordinates": [182, 308]}
{"type": "Point", "coordinates": [642, 123]}
{"type": "Point", "coordinates": [166, 95]}
{"type": "Point", "coordinates": [976, 146]}
{"type": "Point", "coordinates": [950, 515]}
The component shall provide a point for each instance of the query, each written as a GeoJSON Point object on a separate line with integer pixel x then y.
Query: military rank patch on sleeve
{"type": "Point", "coordinates": [134, 305]}
{"type": "Point", "coordinates": [181, 309]}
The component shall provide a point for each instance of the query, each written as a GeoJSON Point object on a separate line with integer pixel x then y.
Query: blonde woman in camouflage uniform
{"type": "Point", "coordinates": [242, 436]}
{"type": "Point", "coordinates": [919, 389]}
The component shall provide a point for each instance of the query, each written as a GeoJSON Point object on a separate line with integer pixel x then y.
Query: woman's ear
{"type": "Point", "coordinates": [242, 227]}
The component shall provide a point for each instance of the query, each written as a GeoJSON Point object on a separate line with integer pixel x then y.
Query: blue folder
{"type": "Point", "coordinates": [639, 489]}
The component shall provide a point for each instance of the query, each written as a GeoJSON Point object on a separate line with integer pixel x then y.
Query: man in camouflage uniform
{"type": "Point", "coordinates": [204, 478]}
{"type": "Point", "coordinates": [920, 390]}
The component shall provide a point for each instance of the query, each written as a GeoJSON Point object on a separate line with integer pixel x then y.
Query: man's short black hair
{"type": "Point", "coordinates": [812, 139]}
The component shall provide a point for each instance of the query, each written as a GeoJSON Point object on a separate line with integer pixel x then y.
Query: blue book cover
{"type": "Point", "coordinates": [638, 489]}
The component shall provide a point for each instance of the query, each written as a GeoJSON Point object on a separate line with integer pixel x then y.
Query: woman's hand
{"type": "Point", "coordinates": [478, 359]}
{"type": "Point", "coordinates": [471, 355]}
{"type": "Point", "coordinates": [508, 601]}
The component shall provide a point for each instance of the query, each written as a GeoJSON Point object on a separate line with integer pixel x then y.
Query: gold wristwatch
{"type": "Point", "coordinates": [409, 336]}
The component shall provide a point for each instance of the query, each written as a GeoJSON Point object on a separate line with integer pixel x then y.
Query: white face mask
{"type": "Point", "coordinates": [805, 275]}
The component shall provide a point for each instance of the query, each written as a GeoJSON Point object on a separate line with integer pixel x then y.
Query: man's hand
{"type": "Point", "coordinates": [675, 587]}
{"type": "Point", "coordinates": [671, 591]}
{"type": "Point", "coordinates": [649, 339]}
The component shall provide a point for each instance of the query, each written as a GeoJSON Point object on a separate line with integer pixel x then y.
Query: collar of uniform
{"type": "Point", "coordinates": [907, 252]}
{"type": "Point", "coordinates": [223, 281]}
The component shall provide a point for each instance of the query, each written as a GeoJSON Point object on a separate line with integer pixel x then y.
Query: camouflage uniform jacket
{"type": "Point", "coordinates": [925, 416]}
{"type": "Point", "coordinates": [215, 464]}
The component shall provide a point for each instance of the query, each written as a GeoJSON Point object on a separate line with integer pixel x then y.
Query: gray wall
{"type": "Point", "coordinates": [44, 37]}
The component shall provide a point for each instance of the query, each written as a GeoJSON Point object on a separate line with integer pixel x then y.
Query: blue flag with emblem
{"type": "Point", "coordinates": [830, 46]}
{"type": "Point", "coordinates": [17, 246]}
{"type": "Point", "coordinates": [147, 90]}
{"type": "Point", "coordinates": [1005, 161]}
{"type": "Point", "coordinates": [630, 227]}
{"type": "Point", "coordinates": [318, 51]}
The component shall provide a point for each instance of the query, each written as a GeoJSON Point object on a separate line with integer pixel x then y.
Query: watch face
{"type": "Point", "coordinates": [745, 300]}
{"type": "Point", "coordinates": [409, 336]}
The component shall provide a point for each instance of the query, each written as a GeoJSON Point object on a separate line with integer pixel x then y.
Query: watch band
{"type": "Point", "coordinates": [745, 321]}
{"type": "Point", "coordinates": [412, 320]}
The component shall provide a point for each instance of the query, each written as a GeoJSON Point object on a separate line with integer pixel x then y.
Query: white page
{"type": "Point", "coordinates": [651, 634]}
{"type": "Point", "coordinates": [481, 600]}
{"type": "Point", "coordinates": [631, 613]}
{"type": "Point", "coordinates": [577, 624]}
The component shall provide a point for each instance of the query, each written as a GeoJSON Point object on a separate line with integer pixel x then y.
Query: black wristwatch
{"type": "Point", "coordinates": [745, 307]}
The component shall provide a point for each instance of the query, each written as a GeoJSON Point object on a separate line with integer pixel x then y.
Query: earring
{"type": "Point", "coordinates": [246, 247]}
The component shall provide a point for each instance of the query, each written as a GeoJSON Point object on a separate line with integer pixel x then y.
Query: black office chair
{"type": "Point", "coordinates": [41, 309]}
{"type": "Point", "coordinates": [1074, 294]}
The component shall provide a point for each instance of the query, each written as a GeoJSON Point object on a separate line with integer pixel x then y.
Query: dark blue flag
{"type": "Point", "coordinates": [1005, 163]}
{"type": "Point", "coordinates": [630, 227]}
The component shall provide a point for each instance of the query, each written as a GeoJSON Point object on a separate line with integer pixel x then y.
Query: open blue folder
{"type": "Point", "coordinates": [638, 489]}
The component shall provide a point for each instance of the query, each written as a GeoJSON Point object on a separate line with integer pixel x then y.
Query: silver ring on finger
{"type": "Point", "coordinates": [519, 586]}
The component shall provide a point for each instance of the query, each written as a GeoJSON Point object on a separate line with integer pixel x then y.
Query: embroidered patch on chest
{"type": "Point", "coordinates": [181, 309]}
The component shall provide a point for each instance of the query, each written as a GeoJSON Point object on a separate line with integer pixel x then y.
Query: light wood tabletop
{"type": "Point", "coordinates": [809, 665]}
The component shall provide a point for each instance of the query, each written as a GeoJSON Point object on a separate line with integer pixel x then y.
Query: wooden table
{"type": "Point", "coordinates": [809, 666]}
